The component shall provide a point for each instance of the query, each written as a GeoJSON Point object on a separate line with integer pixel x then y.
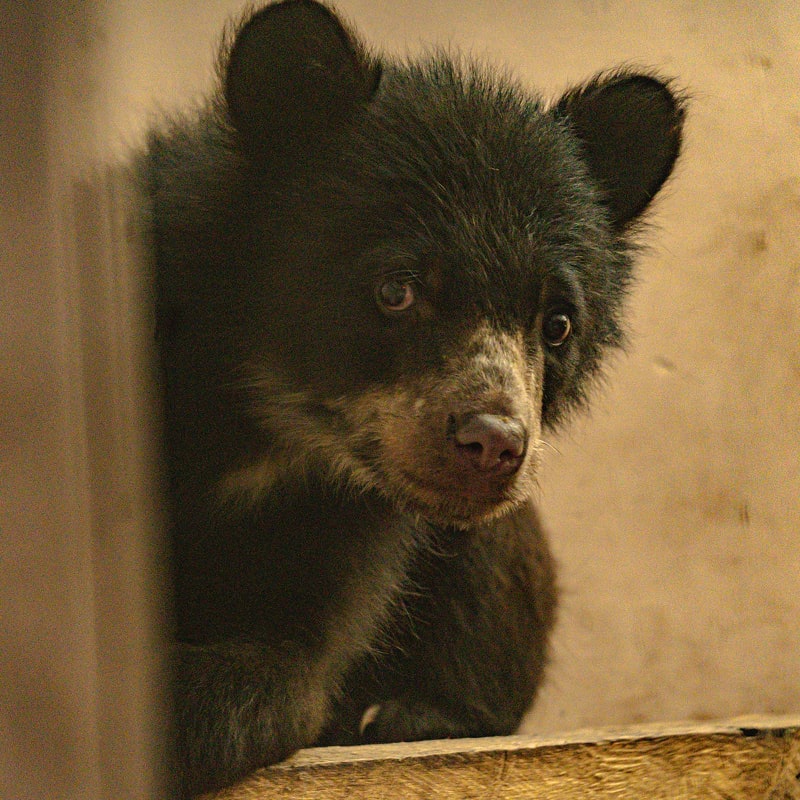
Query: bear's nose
{"type": "Point", "coordinates": [489, 442]}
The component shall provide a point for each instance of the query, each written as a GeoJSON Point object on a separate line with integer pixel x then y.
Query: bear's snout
{"type": "Point", "coordinates": [488, 443]}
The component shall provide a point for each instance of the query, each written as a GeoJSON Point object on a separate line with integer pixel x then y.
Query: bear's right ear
{"type": "Point", "coordinates": [293, 74]}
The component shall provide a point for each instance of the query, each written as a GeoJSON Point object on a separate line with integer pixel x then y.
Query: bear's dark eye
{"type": "Point", "coordinates": [556, 328]}
{"type": "Point", "coordinates": [395, 295]}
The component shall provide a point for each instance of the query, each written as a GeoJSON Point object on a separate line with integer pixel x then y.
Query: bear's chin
{"type": "Point", "coordinates": [461, 510]}
{"type": "Point", "coordinates": [466, 516]}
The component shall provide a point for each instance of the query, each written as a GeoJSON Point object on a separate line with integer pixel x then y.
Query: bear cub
{"type": "Point", "coordinates": [378, 282]}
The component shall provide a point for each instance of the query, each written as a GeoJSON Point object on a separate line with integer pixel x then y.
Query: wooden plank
{"type": "Point", "coordinates": [746, 759]}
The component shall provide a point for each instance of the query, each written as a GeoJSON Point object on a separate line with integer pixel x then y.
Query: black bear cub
{"type": "Point", "coordinates": [377, 282]}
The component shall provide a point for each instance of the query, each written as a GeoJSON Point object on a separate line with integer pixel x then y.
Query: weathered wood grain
{"type": "Point", "coordinates": [746, 759]}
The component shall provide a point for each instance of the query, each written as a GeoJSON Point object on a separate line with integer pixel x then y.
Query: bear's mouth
{"type": "Point", "coordinates": [460, 503]}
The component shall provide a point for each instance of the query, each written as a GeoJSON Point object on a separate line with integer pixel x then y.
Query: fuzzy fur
{"type": "Point", "coordinates": [338, 542]}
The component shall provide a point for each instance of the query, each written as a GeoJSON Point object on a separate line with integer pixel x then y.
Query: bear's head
{"type": "Point", "coordinates": [425, 264]}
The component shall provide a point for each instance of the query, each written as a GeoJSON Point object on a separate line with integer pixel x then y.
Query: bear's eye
{"type": "Point", "coordinates": [396, 295]}
{"type": "Point", "coordinates": [556, 328]}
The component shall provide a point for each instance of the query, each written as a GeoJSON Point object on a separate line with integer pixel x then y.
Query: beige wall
{"type": "Point", "coordinates": [80, 672]}
{"type": "Point", "coordinates": [675, 510]}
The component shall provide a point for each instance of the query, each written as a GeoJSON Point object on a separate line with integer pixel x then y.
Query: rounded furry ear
{"type": "Point", "coordinates": [294, 71]}
{"type": "Point", "coordinates": [630, 128]}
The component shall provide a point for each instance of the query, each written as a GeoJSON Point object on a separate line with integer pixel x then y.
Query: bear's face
{"type": "Point", "coordinates": [440, 261]}
{"type": "Point", "coordinates": [427, 295]}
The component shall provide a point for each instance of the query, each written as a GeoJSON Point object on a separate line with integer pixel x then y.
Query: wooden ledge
{"type": "Point", "coordinates": [751, 758]}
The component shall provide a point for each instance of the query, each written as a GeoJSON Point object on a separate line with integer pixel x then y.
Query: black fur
{"type": "Point", "coordinates": [339, 538]}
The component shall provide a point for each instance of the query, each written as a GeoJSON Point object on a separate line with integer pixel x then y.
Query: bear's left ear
{"type": "Point", "coordinates": [293, 74]}
{"type": "Point", "coordinates": [630, 128]}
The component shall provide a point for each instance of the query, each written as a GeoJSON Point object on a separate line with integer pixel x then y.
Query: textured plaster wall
{"type": "Point", "coordinates": [675, 508]}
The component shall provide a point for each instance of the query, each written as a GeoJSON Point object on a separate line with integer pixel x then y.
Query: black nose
{"type": "Point", "coordinates": [489, 442]}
